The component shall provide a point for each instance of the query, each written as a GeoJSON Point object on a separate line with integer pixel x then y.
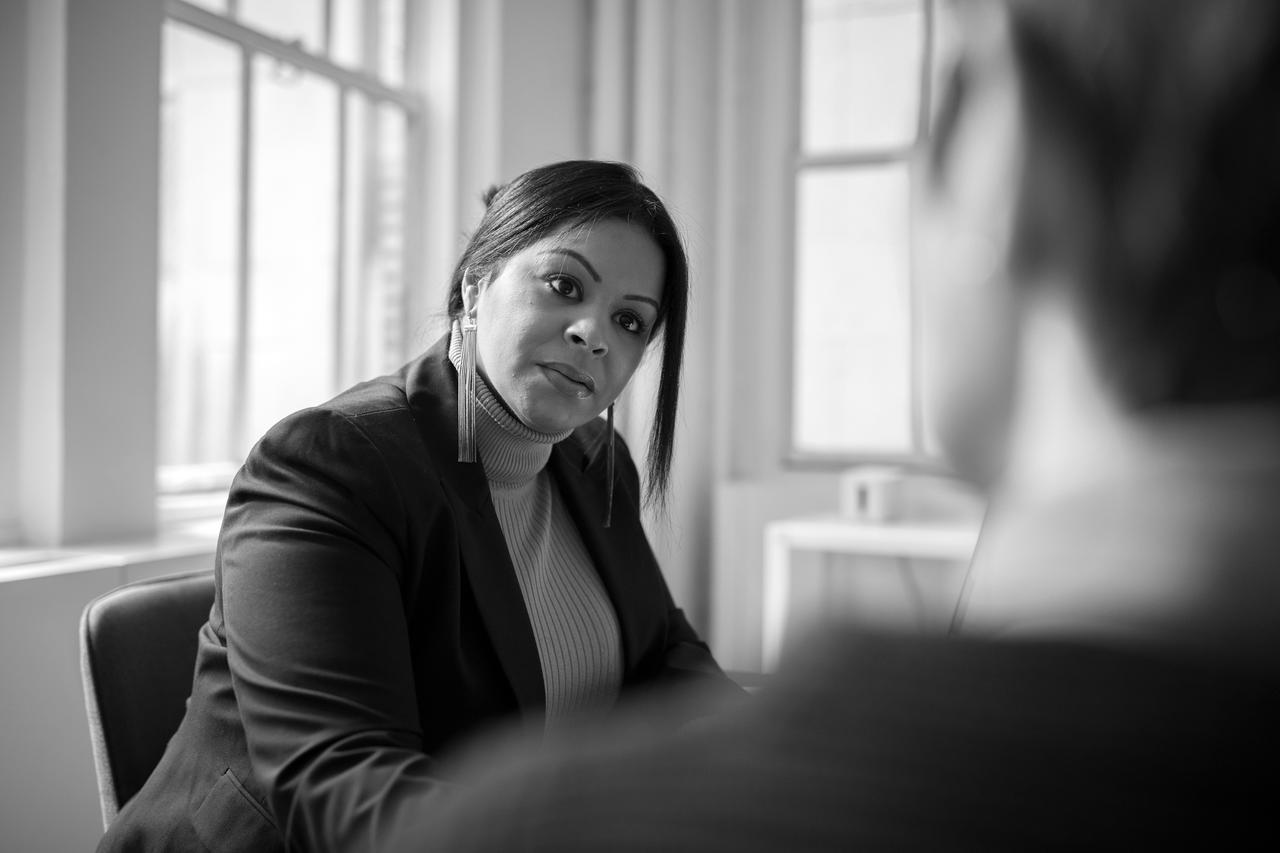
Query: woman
{"type": "Point", "coordinates": [378, 596]}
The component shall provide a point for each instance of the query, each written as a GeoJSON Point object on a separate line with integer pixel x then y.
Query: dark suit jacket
{"type": "Point", "coordinates": [872, 743]}
{"type": "Point", "coordinates": [367, 613]}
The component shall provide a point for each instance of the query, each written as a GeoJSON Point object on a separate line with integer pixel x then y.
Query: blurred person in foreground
{"type": "Point", "coordinates": [1100, 219]}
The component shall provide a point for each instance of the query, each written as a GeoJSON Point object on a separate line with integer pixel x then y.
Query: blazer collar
{"type": "Point", "coordinates": [431, 384]}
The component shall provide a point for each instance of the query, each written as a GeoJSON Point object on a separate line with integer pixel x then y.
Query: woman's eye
{"type": "Point", "coordinates": [563, 286]}
{"type": "Point", "coordinates": [631, 323]}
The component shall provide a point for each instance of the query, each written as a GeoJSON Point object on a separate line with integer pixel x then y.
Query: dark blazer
{"type": "Point", "coordinates": [367, 613]}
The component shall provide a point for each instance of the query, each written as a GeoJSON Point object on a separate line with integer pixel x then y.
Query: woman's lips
{"type": "Point", "coordinates": [569, 379]}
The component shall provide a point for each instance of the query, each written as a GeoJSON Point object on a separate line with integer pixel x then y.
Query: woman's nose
{"type": "Point", "coordinates": [585, 332]}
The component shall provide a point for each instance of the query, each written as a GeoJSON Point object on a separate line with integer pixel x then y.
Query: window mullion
{"type": "Point", "coordinates": [239, 390]}
{"type": "Point", "coordinates": [863, 157]}
{"type": "Point", "coordinates": [341, 326]}
{"type": "Point", "coordinates": [918, 437]}
{"type": "Point", "coordinates": [327, 35]}
{"type": "Point", "coordinates": [224, 27]}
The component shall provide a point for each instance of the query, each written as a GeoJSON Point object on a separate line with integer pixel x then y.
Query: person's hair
{"type": "Point", "coordinates": [552, 198]}
{"type": "Point", "coordinates": [1167, 114]}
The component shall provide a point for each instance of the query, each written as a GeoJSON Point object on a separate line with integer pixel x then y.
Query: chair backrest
{"type": "Point", "coordinates": [137, 656]}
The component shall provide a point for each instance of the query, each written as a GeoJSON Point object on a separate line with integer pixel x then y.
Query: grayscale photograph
{"type": "Point", "coordinates": [639, 426]}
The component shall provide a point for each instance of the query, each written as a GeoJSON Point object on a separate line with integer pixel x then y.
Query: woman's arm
{"type": "Point", "coordinates": [311, 564]}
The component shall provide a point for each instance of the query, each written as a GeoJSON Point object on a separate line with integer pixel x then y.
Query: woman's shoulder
{"type": "Point", "coordinates": [370, 406]}
{"type": "Point", "coordinates": [384, 396]}
{"type": "Point", "coordinates": [373, 419]}
{"type": "Point", "coordinates": [395, 403]}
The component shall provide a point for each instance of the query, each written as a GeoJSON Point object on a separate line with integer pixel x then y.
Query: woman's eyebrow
{"type": "Point", "coordinates": [577, 257]}
{"type": "Point", "coordinates": [637, 296]}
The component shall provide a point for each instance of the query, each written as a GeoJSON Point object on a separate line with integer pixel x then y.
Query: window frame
{"type": "Point", "coordinates": [177, 485]}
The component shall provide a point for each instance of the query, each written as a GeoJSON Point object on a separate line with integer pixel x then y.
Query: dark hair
{"type": "Point", "coordinates": [549, 199]}
{"type": "Point", "coordinates": [1168, 113]}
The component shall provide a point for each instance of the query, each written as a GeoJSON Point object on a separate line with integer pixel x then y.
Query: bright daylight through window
{"type": "Point", "coordinates": [854, 392]}
{"type": "Point", "coordinates": [285, 145]}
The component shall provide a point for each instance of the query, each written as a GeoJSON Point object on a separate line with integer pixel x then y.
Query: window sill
{"type": "Point", "coordinates": [183, 509]}
{"type": "Point", "coordinates": [178, 541]}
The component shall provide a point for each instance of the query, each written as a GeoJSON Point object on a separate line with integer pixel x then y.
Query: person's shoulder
{"type": "Point", "coordinates": [1068, 695]}
{"type": "Point", "coordinates": [358, 408]}
{"type": "Point", "coordinates": [381, 396]}
{"type": "Point", "coordinates": [372, 416]}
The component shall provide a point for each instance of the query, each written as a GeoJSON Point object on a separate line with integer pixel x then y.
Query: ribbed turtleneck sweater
{"type": "Point", "coordinates": [573, 620]}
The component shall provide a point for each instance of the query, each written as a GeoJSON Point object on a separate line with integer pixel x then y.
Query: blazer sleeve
{"type": "Point", "coordinates": [311, 563]}
{"type": "Point", "coordinates": [688, 665]}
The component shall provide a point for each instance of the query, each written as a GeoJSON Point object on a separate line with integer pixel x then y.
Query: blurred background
{"type": "Point", "coordinates": [214, 213]}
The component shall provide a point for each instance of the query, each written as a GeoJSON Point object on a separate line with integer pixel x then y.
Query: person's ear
{"type": "Point", "coordinates": [470, 289]}
{"type": "Point", "coordinates": [480, 278]}
{"type": "Point", "coordinates": [482, 282]}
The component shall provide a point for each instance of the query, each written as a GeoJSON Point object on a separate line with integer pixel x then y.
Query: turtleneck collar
{"type": "Point", "coordinates": [511, 452]}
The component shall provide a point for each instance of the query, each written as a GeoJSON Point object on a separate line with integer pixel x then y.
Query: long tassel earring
{"type": "Point", "coordinates": [467, 375]}
{"type": "Point", "coordinates": [608, 503]}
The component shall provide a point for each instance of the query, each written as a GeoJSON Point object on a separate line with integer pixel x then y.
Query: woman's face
{"type": "Point", "coordinates": [564, 324]}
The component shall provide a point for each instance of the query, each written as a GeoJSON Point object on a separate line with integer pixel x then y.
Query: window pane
{"type": "Point", "coordinates": [853, 311]}
{"type": "Point", "coordinates": [288, 20]}
{"type": "Point", "coordinates": [373, 268]}
{"type": "Point", "coordinates": [861, 74]}
{"type": "Point", "coordinates": [391, 40]}
{"type": "Point", "coordinates": [293, 244]}
{"type": "Point", "coordinates": [386, 285]}
{"type": "Point", "coordinates": [370, 35]}
{"type": "Point", "coordinates": [198, 249]}
{"type": "Point", "coordinates": [348, 32]}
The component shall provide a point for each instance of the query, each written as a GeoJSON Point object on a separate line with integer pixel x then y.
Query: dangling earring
{"type": "Point", "coordinates": [467, 374]}
{"type": "Point", "coordinates": [608, 503]}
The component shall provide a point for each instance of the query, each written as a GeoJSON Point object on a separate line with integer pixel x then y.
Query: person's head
{"type": "Point", "coordinates": [1123, 158]}
{"type": "Point", "coordinates": [579, 268]}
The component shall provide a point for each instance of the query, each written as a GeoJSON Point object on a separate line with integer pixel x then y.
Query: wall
{"type": "Point", "coordinates": [13, 77]}
{"type": "Point", "coordinates": [675, 142]}
{"type": "Point", "coordinates": [79, 86]}
{"type": "Point", "coordinates": [85, 436]}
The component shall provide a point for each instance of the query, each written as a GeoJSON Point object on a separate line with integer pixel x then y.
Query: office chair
{"type": "Point", "coordinates": [137, 657]}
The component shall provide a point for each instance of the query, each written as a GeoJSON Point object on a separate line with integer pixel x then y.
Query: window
{"type": "Point", "coordinates": [285, 148]}
{"type": "Point", "coordinates": [863, 79]}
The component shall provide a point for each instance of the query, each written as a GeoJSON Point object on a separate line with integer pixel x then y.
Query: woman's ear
{"type": "Point", "coordinates": [481, 281]}
{"type": "Point", "coordinates": [470, 293]}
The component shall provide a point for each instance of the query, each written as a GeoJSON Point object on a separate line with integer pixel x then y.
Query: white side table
{"type": "Point", "coordinates": [839, 535]}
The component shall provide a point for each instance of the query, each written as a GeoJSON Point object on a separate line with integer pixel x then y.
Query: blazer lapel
{"type": "Point", "coordinates": [619, 551]}
{"type": "Point", "coordinates": [431, 385]}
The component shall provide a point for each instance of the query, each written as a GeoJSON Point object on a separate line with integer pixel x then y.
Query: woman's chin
{"type": "Point", "coordinates": [559, 420]}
